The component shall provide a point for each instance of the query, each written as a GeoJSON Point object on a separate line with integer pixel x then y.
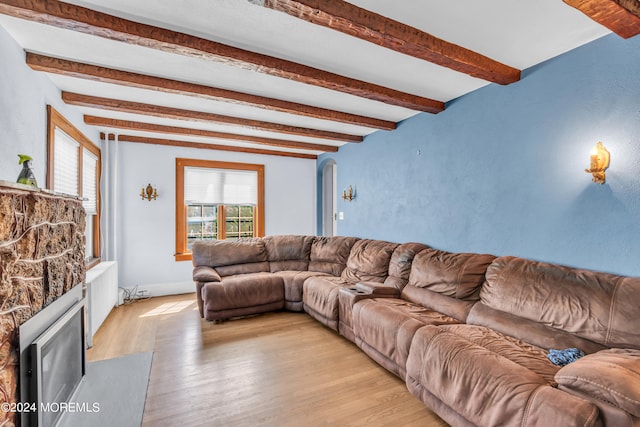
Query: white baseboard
{"type": "Point", "coordinates": [160, 289]}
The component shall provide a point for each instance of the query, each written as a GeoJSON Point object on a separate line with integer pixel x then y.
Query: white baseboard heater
{"type": "Point", "coordinates": [102, 295]}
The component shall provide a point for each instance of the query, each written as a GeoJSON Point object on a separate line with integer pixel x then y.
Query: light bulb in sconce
{"type": "Point", "coordinates": [599, 163]}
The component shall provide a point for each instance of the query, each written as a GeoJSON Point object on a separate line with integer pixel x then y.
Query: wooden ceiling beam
{"type": "Point", "coordinates": [205, 146]}
{"type": "Point", "coordinates": [620, 16]}
{"type": "Point", "coordinates": [68, 68]}
{"type": "Point", "coordinates": [176, 130]}
{"type": "Point", "coordinates": [88, 21]}
{"type": "Point", "coordinates": [369, 26]}
{"type": "Point", "coordinates": [180, 114]}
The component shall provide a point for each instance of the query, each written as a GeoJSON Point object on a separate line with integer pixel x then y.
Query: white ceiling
{"type": "Point", "coordinates": [517, 33]}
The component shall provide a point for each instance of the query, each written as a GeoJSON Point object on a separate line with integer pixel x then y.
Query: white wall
{"type": "Point", "coordinates": [24, 95]}
{"type": "Point", "coordinates": [145, 231]}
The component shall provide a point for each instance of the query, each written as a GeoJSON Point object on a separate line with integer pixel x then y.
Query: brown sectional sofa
{"type": "Point", "coordinates": [469, 333]}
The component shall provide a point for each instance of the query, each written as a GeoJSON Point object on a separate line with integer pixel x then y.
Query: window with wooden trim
{"type": "Point", "coordinates": [73, 167]}
{"type": "Point", "coordinates": [217, 201]}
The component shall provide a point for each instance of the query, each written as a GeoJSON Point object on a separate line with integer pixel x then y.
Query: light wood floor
{"type": "Point", "coordinates": [276, 369]}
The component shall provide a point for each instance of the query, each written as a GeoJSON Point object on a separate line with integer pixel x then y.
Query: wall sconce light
{"type": "Point", "coordinates": [348, 195]}
{"type": "Point", "coordinates": [599, 162]}
{"type": "Point", "coordinates": [149, 193]}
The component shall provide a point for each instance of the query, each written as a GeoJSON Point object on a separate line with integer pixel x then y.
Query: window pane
{"type": "Point", "coordinates": [231, 211]}
{"type": "Point", "coordinates": [65, 164]}
{"type": "Point", "coordinates": [194, 230]}
{"type": "Point", "coordinates": [89, 186]}
{"type": "Point", "coordinates": [190, 241]}
{"type": "Point", "coordinates": [232, 226]}
{"type": "Point", "coordinates": [210, 211]}
{"type": "Point", "coordinates": [246, 226]}
{"type": "Point", "coordinates": [239, 221]}
{"type": "Point", "coordinates": [209, 228]}
{"type": "Point", "coordinates": [194, 211]}
{"type": "Point", "coordinates": [202, 223]}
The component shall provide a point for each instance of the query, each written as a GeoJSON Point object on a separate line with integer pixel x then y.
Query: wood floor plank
{"type": "Point", "coordinates": [276, 369]}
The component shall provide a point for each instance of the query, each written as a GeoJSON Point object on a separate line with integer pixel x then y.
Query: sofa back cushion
{"type": "Point", "coordinates": [369, 261]}
{"type": "Point", "coordinates": [329, 254]}
{"type": "Point", "coordinates": [447, 282]}
{"type": "Point", "coordinates": [288, 253]}
{"type": "Point", "coordinates": [400, 264]}
{"type": "Point", "coordinates": [599, 307]}
{"type": "Point", "coordinates": [230, 257]}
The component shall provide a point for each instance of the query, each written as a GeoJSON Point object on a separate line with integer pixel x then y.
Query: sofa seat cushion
{"type": "Point", "coordinates": [293, 282]}
{"type": "Point", "coordinates": [320, 298]}
{"type": "Point", "coordinates": [531, 357]}
{"type": "Point", "coordinates": [245, 293]}
{"type": "Point", "coordinates": [384, 328]}
{"type": "Point", "coordinates": [484, 386]}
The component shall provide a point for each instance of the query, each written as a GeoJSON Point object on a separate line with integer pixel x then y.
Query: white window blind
{"type": "Point", "coordinates": [89, 190]}
{"type": "Point", "coordinates": [65, 164]}
{"type": "Point", "coordinates": [220, 186]}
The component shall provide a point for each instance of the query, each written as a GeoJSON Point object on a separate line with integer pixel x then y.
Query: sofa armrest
{"type": "Point", "coordinates": [204, 273]}
{"type": "Point", "coordinates": [611, 375]}
{"type": "Point", "coordinates": [378, 289]}
{"type": "Point", "coordinates": [347, 298]}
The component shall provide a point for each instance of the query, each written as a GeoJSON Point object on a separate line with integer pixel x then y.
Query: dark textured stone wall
{"type": "Point", "coordinates": [41, 257]}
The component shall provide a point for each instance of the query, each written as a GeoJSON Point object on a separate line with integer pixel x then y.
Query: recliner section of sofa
{"type": "Point", "coordinates": [441, 290]}
{"type": "Point", "coordinates": [473, 384]}
{"type": "Point", "coordinates": [525, 308]}
{"type": "Point", "coordinates": [469, 333]}
{"type": "Point", "coordinates": [245, 285]}
{"type": "Point", "coordinates": [397, 278]}
{"type": "Point", "coordinates": [368, 261]}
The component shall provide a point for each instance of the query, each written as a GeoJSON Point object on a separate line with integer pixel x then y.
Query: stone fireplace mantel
{"type": "Point", "coordinates": [41, 258]}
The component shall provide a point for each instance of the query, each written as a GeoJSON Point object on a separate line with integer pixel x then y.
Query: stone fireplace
{"type": "Point", "coordinates": [41, 259]}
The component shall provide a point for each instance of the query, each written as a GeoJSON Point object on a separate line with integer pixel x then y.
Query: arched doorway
{"type": "Point", "coordinates": [329, 199]}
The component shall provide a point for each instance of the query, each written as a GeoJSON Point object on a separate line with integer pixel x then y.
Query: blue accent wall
{"type": "Point", "coordinates": [501, 170]}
